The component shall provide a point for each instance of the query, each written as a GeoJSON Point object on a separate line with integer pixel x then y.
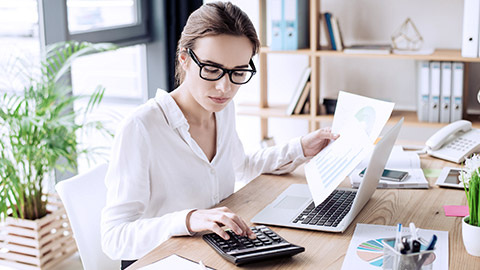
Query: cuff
{"type": "Point", "coordinates": [297, 149]}
{"type": "Point", "coordinates": [179, 223]}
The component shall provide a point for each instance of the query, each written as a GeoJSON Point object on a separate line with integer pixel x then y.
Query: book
{"type": "Point", "coordinates": [303, 98]}
{"type": "Point", "coordinates": [298, 90]}
{"type": "Point", "coordinates": [368, 49]}
{"type": "Point", "coordinates": [398, 160]}
{"type": "Point", "coordinates": [336, 33]}
{"type": "Point", "coordinates": [328, 21]}
{"type": "Point", "coordinates": [325, 40]}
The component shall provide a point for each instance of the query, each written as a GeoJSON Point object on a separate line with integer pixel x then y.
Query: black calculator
{"type": "Point", "coordinates": [241, 249]}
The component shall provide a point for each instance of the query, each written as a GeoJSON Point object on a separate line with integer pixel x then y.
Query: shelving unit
{"type": "Point", "coordinates": [265, 111]}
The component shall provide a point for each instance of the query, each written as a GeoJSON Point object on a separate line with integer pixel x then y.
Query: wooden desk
{"type": "Point", "coordinates": [327, 250]}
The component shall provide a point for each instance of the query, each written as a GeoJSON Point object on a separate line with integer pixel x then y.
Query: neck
{"type": "Point", "coordinates": [193, 112]}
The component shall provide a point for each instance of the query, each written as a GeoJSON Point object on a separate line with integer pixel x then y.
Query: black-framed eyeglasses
{"type": "Point", "coordinates": [211, 72]}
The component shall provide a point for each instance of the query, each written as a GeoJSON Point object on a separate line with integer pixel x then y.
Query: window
{"type": "Point", "coordinates": [87, 15]}
{"type": "Point", "coordinates": [122, 73]}
{"type": "Point", "coordinates": [19, 43]}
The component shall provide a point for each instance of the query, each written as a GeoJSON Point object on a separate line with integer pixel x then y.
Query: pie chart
{"type": "Point", "coordinates": [371, 252]}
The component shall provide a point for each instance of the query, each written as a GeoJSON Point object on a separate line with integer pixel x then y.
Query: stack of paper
{"type": "Point", "coordinates": [401, 161]}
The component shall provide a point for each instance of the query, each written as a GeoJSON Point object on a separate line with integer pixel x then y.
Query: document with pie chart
{"type": "Point", "coordinates": [359, 121]}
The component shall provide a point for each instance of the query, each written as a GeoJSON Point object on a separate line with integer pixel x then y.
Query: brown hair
{"type": "Point", "coordinates": [210, 20]}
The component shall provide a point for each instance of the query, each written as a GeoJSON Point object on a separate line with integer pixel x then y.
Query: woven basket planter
{"type": "Point", "coordinates": [37, 244]}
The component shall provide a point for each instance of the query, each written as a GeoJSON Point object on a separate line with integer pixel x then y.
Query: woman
{"type": "Point", "coordinates": [179, 154]}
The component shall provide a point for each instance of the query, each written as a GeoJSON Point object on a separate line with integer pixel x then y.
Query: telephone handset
{"type": "Point", "coordinates": [454, 142]}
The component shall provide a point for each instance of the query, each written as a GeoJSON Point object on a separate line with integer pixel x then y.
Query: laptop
{"type": "Point", "coordinates": [294, 207]}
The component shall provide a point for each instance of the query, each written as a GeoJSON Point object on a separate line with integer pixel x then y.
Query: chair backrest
{"type": "Point", "coordinates": [84, 196]}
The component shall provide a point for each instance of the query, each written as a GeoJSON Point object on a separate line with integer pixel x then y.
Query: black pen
{"type": "Point", "coordinates": [406, 246]}
{"type": "Point", "coordinates": [415, 246]}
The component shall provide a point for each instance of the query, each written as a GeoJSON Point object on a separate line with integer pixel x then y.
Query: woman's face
{"type": "Point", "coordinates": [226, 51]}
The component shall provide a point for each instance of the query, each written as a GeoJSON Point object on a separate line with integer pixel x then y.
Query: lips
{"type": "Point", "coordinates": [219, 100]}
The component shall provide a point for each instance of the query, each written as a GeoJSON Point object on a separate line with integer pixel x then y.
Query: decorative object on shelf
{"type": "Point", "coordinates": [407, 37]}
{"type": "Point", "coordinates": [38, 127]}
{"type": "Point", "coordinates": [478, 96]}
{"type": "Point", "coordinates": [330, 105]}
{"type": "Point", "coordinates": [470, 176]}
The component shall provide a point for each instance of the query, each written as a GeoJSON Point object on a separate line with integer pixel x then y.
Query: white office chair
{"type": "Point", "coordinates": [84, 197]}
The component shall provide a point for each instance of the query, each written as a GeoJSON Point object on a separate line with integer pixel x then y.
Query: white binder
{"type": "Point", "coordinates": [471, 21]}
{"type": "Point", "coordinates": [434, 100]}
{"type": "Point", "coordinates": [457, 91]}
{"type": "Point", "coordinates": [423, 89]}
{"type": "Point", "coordinates": [446, 89]}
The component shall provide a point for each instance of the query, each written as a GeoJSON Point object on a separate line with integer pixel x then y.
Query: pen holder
{"type": "Point", "coordinates": [394, 260]}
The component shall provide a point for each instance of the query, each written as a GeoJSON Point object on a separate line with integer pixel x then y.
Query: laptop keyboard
{"type": "Point", "coordinates": [330, 212]}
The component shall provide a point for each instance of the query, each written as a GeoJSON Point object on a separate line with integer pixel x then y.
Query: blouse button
{"type": "Point", "coordinates": [212, 171]}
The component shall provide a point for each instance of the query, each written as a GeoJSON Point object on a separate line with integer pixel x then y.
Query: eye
{"type": "Point", "coordinates": [239, 73]}
{"type": "Point", "coordinates": [211, 69]}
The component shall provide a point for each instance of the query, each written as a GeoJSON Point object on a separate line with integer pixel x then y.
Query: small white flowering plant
{"type": "Point", "coordinates": [470, 176]}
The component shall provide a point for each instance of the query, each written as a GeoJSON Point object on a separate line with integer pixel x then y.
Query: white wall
{"type": "Point", "coordinates": [374, 21]}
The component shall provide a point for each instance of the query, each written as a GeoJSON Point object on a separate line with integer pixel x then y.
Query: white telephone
{"type": "Point", "coordinates": [454, 142]}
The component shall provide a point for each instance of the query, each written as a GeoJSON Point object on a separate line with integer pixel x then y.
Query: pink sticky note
{"type": "Point", "coordinates": [456, 210]}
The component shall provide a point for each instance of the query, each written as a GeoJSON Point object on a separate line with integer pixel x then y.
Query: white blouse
{"type": "Point", "coordinates": [158, 174]}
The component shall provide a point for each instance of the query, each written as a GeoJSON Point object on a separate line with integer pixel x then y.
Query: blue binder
{"type": "Point", "coordinates": [296, 35]}
{"type": "Point", "coordinates": [278, 28]}
{"type": "Point", "coordinates": [290, 24]}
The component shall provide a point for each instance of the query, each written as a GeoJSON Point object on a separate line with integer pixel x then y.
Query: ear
{"type": "Point", "coordinates": [183, 58]}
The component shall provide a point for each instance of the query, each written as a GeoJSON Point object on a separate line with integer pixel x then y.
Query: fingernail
{"type": "Point", "coordinates": [227, 237]}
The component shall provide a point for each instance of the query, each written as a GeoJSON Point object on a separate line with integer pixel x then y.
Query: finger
{"type": "Point", "coordinates": [246, 229]}
{"type": "Point", "coordinates": [226, 219]}
{"type": "Point", "coordinates": [216, 229]}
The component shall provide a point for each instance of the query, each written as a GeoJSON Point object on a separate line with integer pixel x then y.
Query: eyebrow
{"type": "Point", "coordinates": [222, 66]}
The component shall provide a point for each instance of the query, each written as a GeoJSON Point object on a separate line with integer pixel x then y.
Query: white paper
{"type": "Point", "coordinates": [359, 121]}
{"type": "Point", "coordinates": [398, 160]}
{"type": "Point", "coordinates": [360, 258]}
{"type": "Point", "coordinates": [329, 168]}
{"type": "Point", "coordinates": [173, 262]}
{"type": "Point", "coordinates": [371, 113]}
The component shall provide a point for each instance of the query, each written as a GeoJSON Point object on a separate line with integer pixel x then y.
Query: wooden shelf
{"type": "Point", "coordinates": [278, 111]}
{"type": "Point", "coordinates": [438, 55]}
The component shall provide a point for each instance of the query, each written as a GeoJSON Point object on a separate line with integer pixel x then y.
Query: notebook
{"type": "Point", "coordinates": [293, 207]}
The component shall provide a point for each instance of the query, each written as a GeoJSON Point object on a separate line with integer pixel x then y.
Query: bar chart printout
{"type": "Point", "coordinates": [330, 167]}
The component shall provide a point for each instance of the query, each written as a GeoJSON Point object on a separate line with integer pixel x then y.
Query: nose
{"type": "Point", "coordinates": [224, 84]}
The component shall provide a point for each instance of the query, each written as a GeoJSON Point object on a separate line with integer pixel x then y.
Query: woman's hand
{"type": "Point", "coordinates": [314, 142]}
{"type": "Point", "coordinates": [214, 219]}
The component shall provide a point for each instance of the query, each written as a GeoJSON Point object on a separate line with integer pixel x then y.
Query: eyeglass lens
{"type": "Point", "coordinates": [209, 72]}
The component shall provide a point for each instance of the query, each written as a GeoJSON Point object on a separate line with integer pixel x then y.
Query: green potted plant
{"type": "Point", "coordinates": [38, 128]}
{"type": "Point", "coordinates": [471, 223]}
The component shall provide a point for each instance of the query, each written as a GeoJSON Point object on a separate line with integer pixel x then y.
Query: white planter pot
{"type": "Point", "coordinates": [471, 238]}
